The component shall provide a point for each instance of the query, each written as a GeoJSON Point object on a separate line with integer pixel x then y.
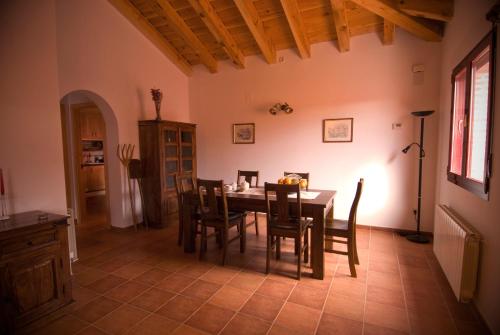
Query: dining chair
{"type": "Point", "coordinates": [185, 182]}
{"type": "Point", "coordinates": [250, 177]}
{"type": "Point", "coordinates": [284, 219]}
{"type": "Point", "coordinates": [346, 229]}
{"type": "Point", "coordinates": [214, 213]}
{"type": "Point", "coordinates": [303, 175]}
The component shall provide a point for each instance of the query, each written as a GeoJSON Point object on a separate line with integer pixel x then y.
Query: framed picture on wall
{"type": "Point", "coordinates": [337, 130]}
{"type": "Point", "coordinates": [244, 133]}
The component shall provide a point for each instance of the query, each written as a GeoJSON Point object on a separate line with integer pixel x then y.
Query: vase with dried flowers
{"type": "Point", "coordinates": [157, 97]}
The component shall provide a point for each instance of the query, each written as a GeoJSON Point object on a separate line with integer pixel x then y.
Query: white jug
{"type": "Point", "coordinates": [244, 185]}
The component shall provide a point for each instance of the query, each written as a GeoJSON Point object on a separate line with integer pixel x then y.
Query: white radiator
{"type": "Point", "coordinates": [456, 246]}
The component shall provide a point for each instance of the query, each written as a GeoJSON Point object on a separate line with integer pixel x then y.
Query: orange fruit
{"type": "Point", "coordinates": [303, 183]}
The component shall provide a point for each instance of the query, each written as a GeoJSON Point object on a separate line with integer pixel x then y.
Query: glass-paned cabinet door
{"type": "Point", "coordinates": [186, 136]}
{"type": "Point", "coordinates": [170, 135]}
{"type": "Point", "coordinates": [187, 165]}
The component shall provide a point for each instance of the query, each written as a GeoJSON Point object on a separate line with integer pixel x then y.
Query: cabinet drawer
{"type": "Point", "coordinates": [28, 241]}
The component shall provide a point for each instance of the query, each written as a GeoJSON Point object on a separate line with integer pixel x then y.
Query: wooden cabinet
{"type": "Point", "coordinates": [166, 148]}
{"type": "Point", "coordinates": [34, 268]}
{"type": "Point", "coordinates": [91, 124]}
{"type": "Point", "coordinates": [93, 176]}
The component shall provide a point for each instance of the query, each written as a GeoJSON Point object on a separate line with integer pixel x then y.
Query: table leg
{"type": "Point", "coordinates": [329, 218]}
{"type": "Point", "coordinates": [318, 244]}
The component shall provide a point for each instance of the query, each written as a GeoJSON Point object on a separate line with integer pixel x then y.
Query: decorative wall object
{"type": "Point", "coordinates": [157, 97]}
{"type": "Point", "coordinates": [125, 152]}
{"type": "Point", "coordinates": [337, 130]}
{"type": "Point", "coordinates": [285, 107]}
{"type": "Point", "coordinates": [244, 133]}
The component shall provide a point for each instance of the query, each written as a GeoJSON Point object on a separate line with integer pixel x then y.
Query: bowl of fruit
{"type": "Point", "coordinates": [293, 179]}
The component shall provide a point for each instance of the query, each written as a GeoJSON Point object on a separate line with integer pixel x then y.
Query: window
{"type": "Point", "coordinates": [469, 162]}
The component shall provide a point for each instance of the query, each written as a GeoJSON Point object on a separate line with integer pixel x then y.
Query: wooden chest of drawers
{"type": "Point", "coordinates": [34, 268]}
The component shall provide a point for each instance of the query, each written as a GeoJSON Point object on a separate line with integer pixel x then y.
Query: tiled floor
{"type": "Point", "coordinates": [142, 283]}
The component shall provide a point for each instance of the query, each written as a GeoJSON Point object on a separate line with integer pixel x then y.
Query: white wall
{"type": "Point", "coordinates": [371, 83]}
{"type": "Point", "coordinates": [30, 126]}
{"type": "Point", "coordinates": [61, 46]}
{"type": "Point", "coordinates": [466, 29]}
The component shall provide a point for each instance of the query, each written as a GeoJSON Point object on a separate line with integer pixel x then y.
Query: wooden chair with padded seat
{"type": "Point", "coordinates": [347, 230]}
{"type": "Point", "coordinates": [249, 177]}
{"type": "Point", "coordinates": [185, 182]}
{"type": "Point", "coordinates": [284, 219]}
{"type": "Point", "coordinates": [303, 175]}
{"type": "Point", "coordinates": [214, 213]}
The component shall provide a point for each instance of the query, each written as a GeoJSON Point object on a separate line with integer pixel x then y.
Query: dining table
{"type": "Point", "coordinates": [315, 204]}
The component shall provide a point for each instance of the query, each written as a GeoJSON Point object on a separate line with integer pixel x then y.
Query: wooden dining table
{"type": "Point", "coordinates": [320, 209]}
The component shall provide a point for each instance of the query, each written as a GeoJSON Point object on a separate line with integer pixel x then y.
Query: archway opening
{"type": "Point", "coordinates": [92, 170]}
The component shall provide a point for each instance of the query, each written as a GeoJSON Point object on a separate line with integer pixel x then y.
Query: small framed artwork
{"type": "Point", "coordinates": [244, 133]}
{"type": "Point", "coordinates": [337, 130]}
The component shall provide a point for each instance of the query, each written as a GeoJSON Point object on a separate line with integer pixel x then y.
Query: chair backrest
{"type": "Point", "coordinates": [284, 212]}
{"type": "Point", "coordinates": [210, 206]}
{"type": "Point", "coordinates": [184, 182]}
{"type": "Point", "coordinates": [303, 175]}
{"type": "Point", "coordinates": [354, 207]}
{"type": "Point", "coordinates": [249, 177]}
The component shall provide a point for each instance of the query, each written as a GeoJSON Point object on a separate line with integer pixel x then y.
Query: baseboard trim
{"type": "Point", "coordinates": [485, 328]}
{"type": "Point", "coordinates": [395, 230]}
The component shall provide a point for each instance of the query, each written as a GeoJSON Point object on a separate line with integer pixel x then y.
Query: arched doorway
{"type": "Point", "coordinates": [92, 170]}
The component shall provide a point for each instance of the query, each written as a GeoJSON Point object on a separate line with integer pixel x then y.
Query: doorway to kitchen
{"type": "Point", "coordinates": [92, 172]}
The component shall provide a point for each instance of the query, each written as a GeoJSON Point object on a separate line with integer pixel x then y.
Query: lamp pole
{"type": "Point", "coordinates": [418, 237]}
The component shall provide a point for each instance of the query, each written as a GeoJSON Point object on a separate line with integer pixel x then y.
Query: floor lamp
{"type": "Point", "coordinates": [418, 237]}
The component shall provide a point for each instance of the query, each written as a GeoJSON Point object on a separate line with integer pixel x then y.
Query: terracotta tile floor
{"type": "Point", "coordinates": [129, 282]}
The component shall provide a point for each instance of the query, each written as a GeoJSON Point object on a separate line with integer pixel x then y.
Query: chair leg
{"type": "Point", "coordinates": [268, 253]}
{"type": "Point", "coordinates": [297, 246]}
{"type": "Point", "coordinates": [306, 246]}
{"type": "Point", "coordinates": [243, 235]}
{"type": "Point", "coordinates": [181, 231]}
{"type": "Point", "coordinates": [256, 224]}
{"type": "Point", "coordinates": [350, 257]}
{"type": "Point", "coordinates": [356, 258]}
{"type": "Point", "coordinates": [299, 261]}
{"type": "Point", "coordinates": [203, 240]}
{"type": "Point", "coordinates": [224, 247]}
{"type": "Point", "coordinates": [278, 248]}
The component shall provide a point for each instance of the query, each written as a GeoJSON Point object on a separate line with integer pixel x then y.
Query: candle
{"type": "Point", "coordinates": [2, 188]}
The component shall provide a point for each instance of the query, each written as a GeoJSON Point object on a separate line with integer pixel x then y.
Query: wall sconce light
{"type": "Point", "coordinates": [285, 107]}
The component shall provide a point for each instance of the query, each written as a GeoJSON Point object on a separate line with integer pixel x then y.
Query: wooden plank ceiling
{"type": "Point", "coordinates": [191, 32]}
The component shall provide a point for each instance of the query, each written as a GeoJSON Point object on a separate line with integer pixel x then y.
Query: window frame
{"type": "Point", "coordinates": [480, 189]}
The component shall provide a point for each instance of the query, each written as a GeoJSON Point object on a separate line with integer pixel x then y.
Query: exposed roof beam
{"type": "Point", "coordinates": [296, 24]}
{"type": "Point", "coordinates": [388, 36]}
{"type": "Point", "coordinates": [213, 22]}
{"type": "Point", "coordinates": [390, 13]}
{"type": "Point", "coordinates": [141, 23]}
{"type": "Point", "coordinates": [178, 24]}
{"type": "Point", "coordinates": [341, 27]}
{"type": "Point", "coordinates": [256, 26]}
{"type": "Point", "coordinates": [441, 10]}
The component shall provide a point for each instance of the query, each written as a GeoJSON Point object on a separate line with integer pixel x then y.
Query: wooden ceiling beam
{"type": "Point", "coordinates": [141, 23]}
{"type": "Point", "coordinates": [387, 11]}
{"type": "Point", "coordinates": [388, 34]}
{"type": "Point", "coordinates": [341, 25]}
{"type": "Point", "coordinates": [180, 26]}
{"type": "Point", "coordinates": [296, 24]}
{"type": "Point", "coordinates": [213, 22]}
{"type": "Point", "coordinates": [256, 27]}
{"type": "Point", "coordinates": [441, 10]}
